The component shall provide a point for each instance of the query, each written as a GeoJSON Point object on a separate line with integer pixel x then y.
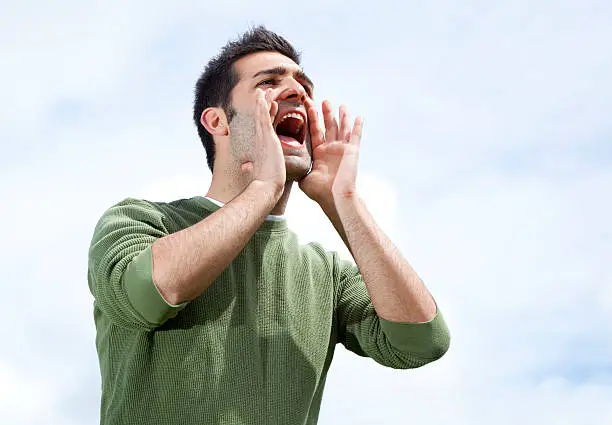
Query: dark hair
{"type": "Point", "coordinates": [216, 83]}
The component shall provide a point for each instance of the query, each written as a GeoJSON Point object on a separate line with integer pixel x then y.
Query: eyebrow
{"type": "Point", "coordinates": [281, 70]}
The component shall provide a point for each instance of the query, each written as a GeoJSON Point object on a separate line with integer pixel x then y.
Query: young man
{"type": "Point", "coordinates": [207, 310]}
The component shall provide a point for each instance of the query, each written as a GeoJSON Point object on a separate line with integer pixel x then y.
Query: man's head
{"type": "Point", "coordinates": [225, 95]}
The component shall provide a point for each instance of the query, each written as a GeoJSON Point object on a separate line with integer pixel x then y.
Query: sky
{"type": "Point", "coordinates": [486, 157]}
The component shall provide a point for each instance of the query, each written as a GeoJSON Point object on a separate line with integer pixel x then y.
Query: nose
{"type": "Point", "coordinates": [294, 91]}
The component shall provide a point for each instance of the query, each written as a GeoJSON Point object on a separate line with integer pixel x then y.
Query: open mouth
{"type": "Point", "coordinates": [291, 128]}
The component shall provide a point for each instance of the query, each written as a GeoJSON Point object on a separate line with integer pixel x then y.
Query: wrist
{"type": "Point", "coordinates": [267, 191]}
{"type": "Point", "coordinates": [333, 206]}
{"type": "Point", "coordinates": [345, 199]}
{"type": "Point", "coordinates": [328, 206]}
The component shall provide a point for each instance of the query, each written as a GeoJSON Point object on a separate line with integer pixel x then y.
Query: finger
{"type": "Point", "coordinates": [260, 102]}
{"type": "Point", "coordinates": [331, 125]}
{"type": "Point", "coordinates": [317, 137]}
{"type": "Point", "coordinates": [268, 96]}
{"type": "Point", "coordinates": [345, 125]}
{"type": "Point", "coordinates": [263, 111]}
{"type": "Point", "coordinates": [273, 110]}
{"type": "Point", "coordinates": [309, 103]}
{"type": "Point", "coordinates": [357, 132]}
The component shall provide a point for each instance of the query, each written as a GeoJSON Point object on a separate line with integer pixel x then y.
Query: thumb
{"type": "Point", "coordinates": [273, 110]}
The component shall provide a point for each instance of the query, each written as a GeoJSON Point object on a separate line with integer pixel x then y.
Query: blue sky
{"type": "Point", "coordinates": [487, 158]}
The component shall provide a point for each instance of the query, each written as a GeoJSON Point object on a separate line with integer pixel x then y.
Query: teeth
{"type": "Point", "coordinates": [292, 115]}
{"type": "Point", "coordinates": [297, 116]}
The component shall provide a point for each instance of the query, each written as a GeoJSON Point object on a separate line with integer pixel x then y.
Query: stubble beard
{"type": "Point", "coordinates": [242, 135]}
{"type": "Point", "coordinates": [242, 147]}
{"type": "Point", "coordinates": [298, 167]}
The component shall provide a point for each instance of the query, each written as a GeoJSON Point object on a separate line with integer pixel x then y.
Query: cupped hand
{"type": "Point", "coordinates": [335, 153]}
{"type": "Point", "coordinates": [266, 163]}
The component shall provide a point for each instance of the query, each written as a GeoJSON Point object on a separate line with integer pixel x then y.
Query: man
{"type": "Point", "coordinates": [207, 310]}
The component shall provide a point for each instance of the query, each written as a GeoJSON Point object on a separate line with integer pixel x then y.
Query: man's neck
{"type": "Point", "coordinates": [223, 192]}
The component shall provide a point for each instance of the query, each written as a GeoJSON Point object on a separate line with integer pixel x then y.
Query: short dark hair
{"type": "Point", "coordinates": [219, 78]}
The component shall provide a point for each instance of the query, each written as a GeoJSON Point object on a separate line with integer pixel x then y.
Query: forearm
{"type": "Point", "coordinates": [186, 263]}
{"type": "Point", "coordinates": [396, 291]}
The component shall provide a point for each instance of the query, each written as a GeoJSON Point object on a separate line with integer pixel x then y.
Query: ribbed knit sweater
{"type": "Point", "coordinates": [254, 348]}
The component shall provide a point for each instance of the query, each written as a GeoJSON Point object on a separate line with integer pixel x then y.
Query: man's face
{"type": "Point", "coordinates": [289, 86]}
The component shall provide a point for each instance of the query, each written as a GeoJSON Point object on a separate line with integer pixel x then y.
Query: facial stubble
{"type": "Point", "coordinates": [242, 148]}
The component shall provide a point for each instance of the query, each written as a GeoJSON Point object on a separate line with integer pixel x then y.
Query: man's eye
{"type": "Point", "coordinates": [267, 82]}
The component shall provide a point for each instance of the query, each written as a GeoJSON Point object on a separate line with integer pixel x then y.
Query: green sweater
{"type": "Point", "coordinates": [254, 348]}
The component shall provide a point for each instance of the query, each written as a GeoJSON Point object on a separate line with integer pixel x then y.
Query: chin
{"type": "Point", "coordinates": [296, 168]}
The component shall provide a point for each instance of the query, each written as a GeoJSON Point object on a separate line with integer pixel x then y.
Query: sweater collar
{"type": "Point", "coordinates": [272, 223]}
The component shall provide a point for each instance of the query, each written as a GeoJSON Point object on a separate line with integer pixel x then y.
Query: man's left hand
{"type": "Point", "coordinates": [335, 154]}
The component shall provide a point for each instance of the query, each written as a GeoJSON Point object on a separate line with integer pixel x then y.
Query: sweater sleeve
{"type": "Point", "coordinates": [120, 271]}
{"type": "Point", "coordinates": [392, 344]}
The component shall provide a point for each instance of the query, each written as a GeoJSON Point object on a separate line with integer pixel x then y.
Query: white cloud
{"type": "Point", "coordinates": [26, 399]}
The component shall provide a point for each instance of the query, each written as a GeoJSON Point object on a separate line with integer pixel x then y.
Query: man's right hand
{"type": "Point", "coordinates": [187, 262]}
{"type": "Point", "coordinates": [267, 164]}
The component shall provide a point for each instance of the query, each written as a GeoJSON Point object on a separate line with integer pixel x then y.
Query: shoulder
{"type": "Point", "coordinates": [182, 206]}
{"type": "Point", "coordinates": [328, 258]}
{"type": "Point", "coordinates": [155, 213]}
{"type": "Point", "coordinates": [127, 210]}
{"type": "Point", "coordinates": [316, 251]}
{"type": "Point", "coordinates": [178, 206]}
{"type": "Point", "coordinates": [133, 217]}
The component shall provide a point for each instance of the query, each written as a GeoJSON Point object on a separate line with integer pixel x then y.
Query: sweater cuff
{"type": "Point", "coordinates": [143, 294]}
{"type": "Point", "coordinates": [427, 340]}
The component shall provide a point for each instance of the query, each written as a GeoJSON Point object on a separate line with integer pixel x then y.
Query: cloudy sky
{"type": "Point", "coordinates": [487, 158]}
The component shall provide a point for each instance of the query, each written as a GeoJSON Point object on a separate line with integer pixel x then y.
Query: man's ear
{"type": "Point", "coordinates": [214, 121]}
